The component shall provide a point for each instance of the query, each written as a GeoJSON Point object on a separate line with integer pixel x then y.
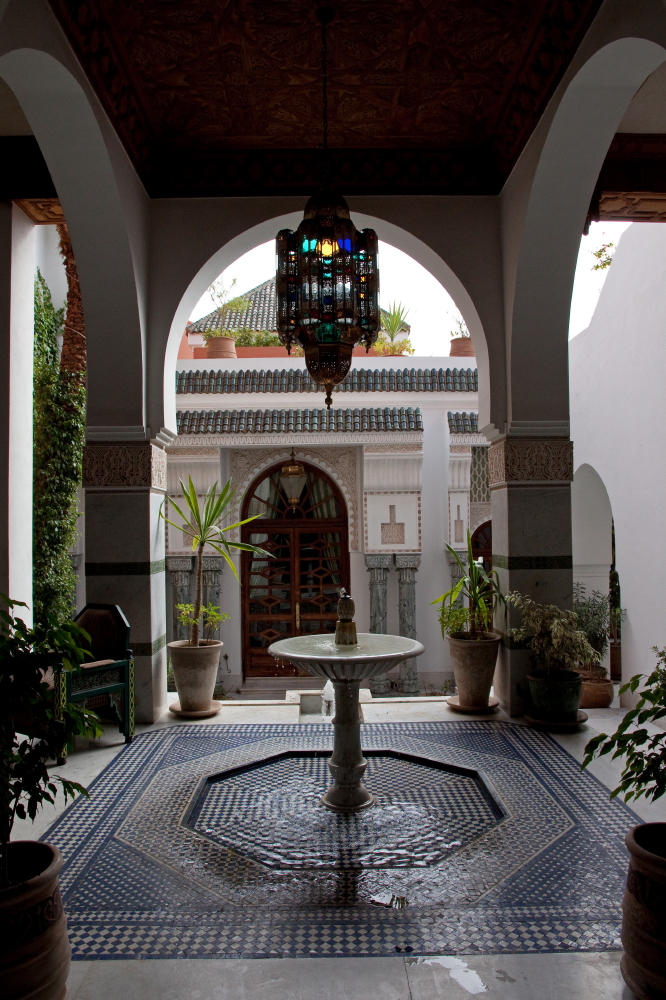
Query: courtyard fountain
{"type": "Point", "coordinates": [346, 659]}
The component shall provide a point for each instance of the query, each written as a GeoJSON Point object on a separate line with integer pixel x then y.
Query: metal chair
{"type": "Point", "coordinates": [108, 677]}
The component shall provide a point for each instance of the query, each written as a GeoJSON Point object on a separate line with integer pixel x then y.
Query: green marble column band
{"type": "Point", "coordinates": [149, 648]}
{"type": "Point", "coordinates": [532, 562]}
{"type": "Point", "coordinates": [125, 568]}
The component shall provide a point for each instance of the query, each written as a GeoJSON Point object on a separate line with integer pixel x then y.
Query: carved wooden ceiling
{"type": "Point", "coordinates": [201, 91]}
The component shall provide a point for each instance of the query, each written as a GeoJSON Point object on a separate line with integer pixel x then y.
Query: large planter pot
{"type": "Point", "coordinates": [555, 696]}
{"type": "Point", "coordinates": [474, 667]}
{"type": "Point", "coordinates": [195, 673]}
{"type": "Point", "coordinates": [596, 694]}
{"type": "Point", "coordinates": [644, 912]}
{"type": "Point", "coordinates": [34, 948]}
{"type": "Point", "coordinates": [461, 347]}
{"type": "Point", "coordinates": [221, 347]}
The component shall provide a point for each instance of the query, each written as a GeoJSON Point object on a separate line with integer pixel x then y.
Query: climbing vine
{"type": "Point", "coordinates": [59, 436]}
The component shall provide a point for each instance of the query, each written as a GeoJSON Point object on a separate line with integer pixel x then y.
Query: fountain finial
{"type": "Point", "coordinates": [345, 629]}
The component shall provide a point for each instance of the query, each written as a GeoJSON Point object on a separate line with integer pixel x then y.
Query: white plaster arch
{"type": "Point", "coordinates": [591, 527]}
{"type": "Point", "coordinates": [568, 166]}
{"type": "Point", "coordinates": [69, 135]}
{"type": "Point", "coordinates": [266, 230]}
{"type": "Point", "coordinates": [342, 472]}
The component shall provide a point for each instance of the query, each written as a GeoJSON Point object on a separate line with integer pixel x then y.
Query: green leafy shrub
{"type": "Point", "coordinates": [644, 771]}
{"type": "Point", "coordinates": [554, 636]}
{"type": "Point", "coordinates": [59, 437]}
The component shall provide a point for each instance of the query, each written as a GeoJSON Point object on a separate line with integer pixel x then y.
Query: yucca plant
{"type": "Point", "coordinates": [203, 524]}
{"type": "Point", "coordinates": [481, 591]}
{"type": "Point", "coordinates": [394, 320]}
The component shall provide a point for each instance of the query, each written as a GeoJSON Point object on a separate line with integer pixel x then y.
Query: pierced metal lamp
{"type": "Point", "coordinates": [292, 479]}
{"type": "Point", "coordinates": [327, 277]}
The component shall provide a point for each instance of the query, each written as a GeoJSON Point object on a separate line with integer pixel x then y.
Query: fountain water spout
{"type": "Point", "coordinates": [346, 659]}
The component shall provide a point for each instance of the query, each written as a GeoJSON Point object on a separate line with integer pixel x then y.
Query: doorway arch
{"type": "Point", "coordinates": [482, 544]}
{"type": "Point", "coordinates": [296, 592]}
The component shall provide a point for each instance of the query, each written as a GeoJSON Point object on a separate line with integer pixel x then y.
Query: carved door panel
{"type": "Point", "coordinates": [296, 592]}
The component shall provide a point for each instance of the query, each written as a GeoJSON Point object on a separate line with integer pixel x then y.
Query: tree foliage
{"type": "Point", "coordinates": [59, 436]}
{"type": "Point", "coordinates": [644, 771]}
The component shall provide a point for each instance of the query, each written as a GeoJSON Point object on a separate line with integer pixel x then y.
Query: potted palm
{"type": "Point", "coordinates": [34, 728]}
{"type": "Point", "coordinates": [195, 660]}
{"type": "Point", "coordinates": [644, 773]}
{"type": "Point", "coordinates": [559, 647]}
{"type": "Point", "coordinates": [393, 324]}
{"type": "Point", "coordinates": [468, 628]}
{"type": "Point", "coordinates": [599, 621]}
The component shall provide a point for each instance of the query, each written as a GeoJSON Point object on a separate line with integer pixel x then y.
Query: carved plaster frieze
{"type": "Point", "coordinates": [479, 513]}
{"type": "Point", "coordinates": [124, 467]}
{"type": "Point", "coordinates": [467, 439]}
{"type": "Point", "coordinates": [373, 449]}
{"type": "Point", "coordinates": [530, 462]}
{"type": "Point", "coordinates": [638, 206]}
{"type": "Point", "coordinates": [245, 464]}
{"type": "Point", "coordinates": [193, 452]}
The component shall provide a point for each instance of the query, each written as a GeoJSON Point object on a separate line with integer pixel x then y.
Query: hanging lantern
{"type": "Point", "coordinates": [292, 479]}
{"type": "Point", "coordinates": [327, 278]}
{"type": "Point", "coordinates": [327, 288]}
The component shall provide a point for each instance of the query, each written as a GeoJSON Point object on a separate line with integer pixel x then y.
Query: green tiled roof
{"type": "Point", "coordinates": [358, 380]}
{"type": "Point", "coordinates": [463, 423]}
{"type": "Point", "coordinates": [260, 315]}
{"type": "Point", "coordinates": [287, 421]}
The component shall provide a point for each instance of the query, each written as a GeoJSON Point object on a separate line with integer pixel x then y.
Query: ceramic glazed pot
{"type": "Point", "coordinates": [221, 347]}
{"type": "Point", "coordinates": [474, 667]}
{"type": "Point", "coordinates": [555, 697]}
{"type": "Point", "coordinates": [644, 912]}
{"type": "Point", "coordinates": [461, 347]}
{"type": "Point", "coordinates": [195, 672]}
{"type": "Point", "coordinates": [596, 694]}
{"type": "Point", "coordinates": [34, 948]}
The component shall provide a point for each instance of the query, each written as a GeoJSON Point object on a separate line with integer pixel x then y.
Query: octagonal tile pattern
{"type": "Point", "coordinates": [272, 813]}
{"type": "Point", "coordinates": [159, 864]}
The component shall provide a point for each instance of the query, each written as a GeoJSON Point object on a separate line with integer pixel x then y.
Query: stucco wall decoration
{"type": "Point", "coordinates": [392, 521]}
{"type": "Point", "coordinates": [340, 463]}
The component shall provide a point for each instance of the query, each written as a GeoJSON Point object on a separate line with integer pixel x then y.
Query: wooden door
{"type": "Point", "coordinates": [295, 592]}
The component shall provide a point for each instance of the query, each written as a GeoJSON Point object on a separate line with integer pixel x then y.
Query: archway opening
{"type": "Point", "coordinates": [296, 591]}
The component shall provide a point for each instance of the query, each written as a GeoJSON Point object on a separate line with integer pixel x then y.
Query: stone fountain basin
{"type": "Point", "coordinates": [319, 655]}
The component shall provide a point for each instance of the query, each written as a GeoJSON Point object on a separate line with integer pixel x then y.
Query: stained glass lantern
{"type": "Point", "coordinates": [292, 480]}
{"type": "Point", "coordinates": [327, 288]}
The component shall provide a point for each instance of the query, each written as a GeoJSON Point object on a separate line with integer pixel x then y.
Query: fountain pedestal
{"type": "Point", "coordinates": [346, 666]}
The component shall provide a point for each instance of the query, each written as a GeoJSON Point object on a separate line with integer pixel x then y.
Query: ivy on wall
{"type": "Point", "coordinates": [59, 436]}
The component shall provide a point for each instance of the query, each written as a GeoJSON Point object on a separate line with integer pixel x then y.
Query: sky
{"type": "Point", "coordinates": [431, 310]}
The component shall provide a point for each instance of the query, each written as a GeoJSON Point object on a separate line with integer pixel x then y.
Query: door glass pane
{"type": "Point", "coordinates": [319, 572]}
{"type": "Point", "coordinates": [263, 633]}
{"type": "Point", "coordinates": [270, 579]}
{"type": "Point", "coordinates": [317, 499]}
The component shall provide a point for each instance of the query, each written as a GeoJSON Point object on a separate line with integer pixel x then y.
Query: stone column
{"type": "Point", "coordinates": [378, 567]}
{"type": "Point", "coordinates": [180, 568]}
{"type": "Point", "coordinates": [17, 296]}
{"type": "Point", "coordinates": [125, 484]}
{"type": "Point", "coordinates": [212, 578]}
{"type": "Point", "coordinates": [530, 482]}
{"type": "Point", "coordinates": [407, 566]}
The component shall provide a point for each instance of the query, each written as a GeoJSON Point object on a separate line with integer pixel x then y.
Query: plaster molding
{"type": "Point", "coordinates": [124, 466]}
{"type": "Point", "coordinates": [306, 438]}
{"type": "Point", "coordinates": [467, 439]}
{"type": "Point", "coordinates": [201, 453]}
{"type": "Point", "coordinates": [340, 464]}
{"type": "Point", "coordinates": [479, 513]}
{"type": "Point", "coordinates": [461, 449]}
{"type": "Point", "coordinates": [530, 462]}
{"type": "Point", "coordinates": [378, 449]}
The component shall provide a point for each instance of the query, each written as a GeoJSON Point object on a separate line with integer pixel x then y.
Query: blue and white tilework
{"type": "Point", "coordinates": [208, 841]}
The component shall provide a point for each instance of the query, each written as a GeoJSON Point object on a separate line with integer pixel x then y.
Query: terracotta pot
{"type": "Point", "coordinates": [221, 347]}
{"type": "Point", "coordinates": [195, 672]}
{"type": "Point", "coordinates": [644, 909]}
{"type": "Point", "coordinates": [555, 696]}
{"type": "Point", "coordinates": [474, 667]}
{"type": "Point", "coordinates": [596, 694]}
{"type": "Point", "coordinates": [34, 948]}
{"type": "Point", "coordinates": [461, 347]}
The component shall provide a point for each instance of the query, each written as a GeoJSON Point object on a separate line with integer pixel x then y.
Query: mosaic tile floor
{"type": "Point", "coordinates": [208, 841]}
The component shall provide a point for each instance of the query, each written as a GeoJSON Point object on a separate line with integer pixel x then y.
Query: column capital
{"type": "Point", "coordinates": [378, 562]}
{"type": "Point", "coordinates": [407, 561]}
{"type": "Point", "coordinates": [529, 462]}
{"type": "Point", "coordinates": [124, 467]}
{"type": "Point", "coordinates": [179, 564]}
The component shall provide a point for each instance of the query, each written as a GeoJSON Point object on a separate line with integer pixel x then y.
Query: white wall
{"type": "Point", "coordinates": [617, 376]}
